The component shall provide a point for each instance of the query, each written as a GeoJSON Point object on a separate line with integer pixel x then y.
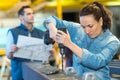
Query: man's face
{"type": "Point", "coordinates": [28, 16]}
{"type": "Point", "coordinates": [92, 27]}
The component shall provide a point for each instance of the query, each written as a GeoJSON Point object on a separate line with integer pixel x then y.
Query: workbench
{"type": "Point", "coordinates": [40, 71]}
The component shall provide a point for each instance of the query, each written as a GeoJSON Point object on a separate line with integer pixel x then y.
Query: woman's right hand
{"type": "Point", "coordinates": [52, 31]}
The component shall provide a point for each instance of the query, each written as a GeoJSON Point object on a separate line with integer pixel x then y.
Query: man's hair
{"type": "Point", "coordinates": [21, 10]}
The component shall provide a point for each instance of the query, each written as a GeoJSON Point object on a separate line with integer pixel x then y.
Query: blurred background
{"type": "Point", "coordinates": [64, 9]}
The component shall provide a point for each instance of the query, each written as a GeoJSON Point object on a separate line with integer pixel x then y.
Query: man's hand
{"type": "Point", "coordinates": [14, 48]}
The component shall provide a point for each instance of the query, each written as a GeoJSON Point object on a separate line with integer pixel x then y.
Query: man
{"type": "Point", "coordinates": [26, 16]}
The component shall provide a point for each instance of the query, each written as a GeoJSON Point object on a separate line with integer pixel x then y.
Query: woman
{"type": "Point", "coordinates": [92, 43]}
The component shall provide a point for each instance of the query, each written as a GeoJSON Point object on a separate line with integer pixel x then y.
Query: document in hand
{"type": "Point", "coordinates": [32, 48]}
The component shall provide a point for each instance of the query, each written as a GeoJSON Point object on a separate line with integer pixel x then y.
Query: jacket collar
{"type": "Point", "coordinates": [103, 35]}
{"type": "Point", "coordinates": [24, 27]}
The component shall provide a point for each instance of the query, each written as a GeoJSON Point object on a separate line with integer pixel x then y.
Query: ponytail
{"type": "Point", "coordinates": [98, 10]}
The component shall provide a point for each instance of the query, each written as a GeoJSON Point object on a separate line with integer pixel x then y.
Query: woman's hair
{"type": "Point", "coordinates": [98, 10]}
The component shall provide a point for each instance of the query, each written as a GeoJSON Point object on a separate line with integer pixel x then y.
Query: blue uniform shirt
{"type": "Point", "coordinates": [97, 52]}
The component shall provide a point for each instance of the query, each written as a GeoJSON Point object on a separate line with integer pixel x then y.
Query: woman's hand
{"type": "Point", "coordinates": [63, 38]}
{"type": "Point", "coordinates": [52, 31]}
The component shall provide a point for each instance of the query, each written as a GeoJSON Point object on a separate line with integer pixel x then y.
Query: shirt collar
{"type": "Point", "coordinates": [24, 27]}
{"type": "Point", "coordinates": [103, 35]}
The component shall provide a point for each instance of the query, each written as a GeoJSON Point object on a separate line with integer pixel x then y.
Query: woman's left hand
{"type": "Point", "coordinates": [63, 38]}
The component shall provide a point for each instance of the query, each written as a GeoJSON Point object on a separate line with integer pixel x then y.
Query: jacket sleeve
{"type": "Point", "coordinates": [73, 28]}
{"type": "Point", "coordinates": [60, 23]}
{"type": "Point", "coordinates": [101, 59]}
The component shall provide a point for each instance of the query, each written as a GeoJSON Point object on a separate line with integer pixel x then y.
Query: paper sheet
{"type": "Point", "coordinates": [32, 48]}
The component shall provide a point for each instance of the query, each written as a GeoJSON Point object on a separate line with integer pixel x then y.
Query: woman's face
{"type": "Point", "coordinates": [92, 27]}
